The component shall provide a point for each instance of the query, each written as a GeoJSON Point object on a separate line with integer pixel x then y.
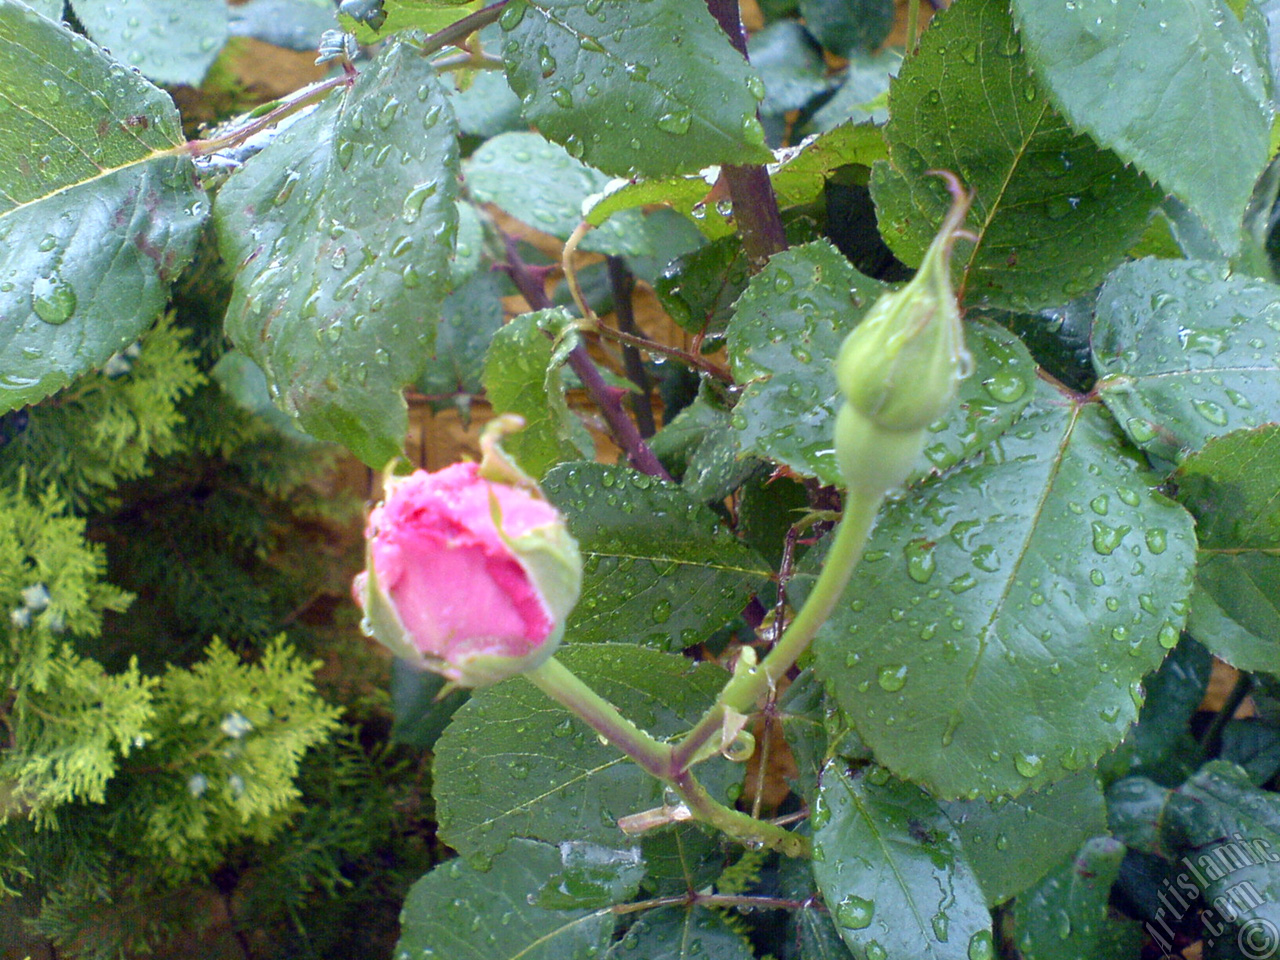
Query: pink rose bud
{"type": "Point", "coordinates": [470, 571]}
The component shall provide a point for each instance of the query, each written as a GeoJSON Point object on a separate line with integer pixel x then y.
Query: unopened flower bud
{"type": "Point", "coordinates": [900, 368]}
{"type": "Point", "coordinates": [471, 573]}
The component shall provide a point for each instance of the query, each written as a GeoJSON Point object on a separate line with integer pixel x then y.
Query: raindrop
{"type": "Point", "coordinates": [892, 678]}
{"type": "Point", "coordinates": [981, 946]}
{"type": "Point", "coordinates": [855, 913]}
{"type": "Point", "coordinates": [1029, 765]}
{"type": "Point", "coordinates": [920, 560]}
{"type": "Point", "coordinates": [676, 122]}
{"type": "Point", "coordinates": [1213, 412]}
{"type": "Point", "coordinates": [52, 300]}
{"type": "Point", "coordinates": [411, 209]}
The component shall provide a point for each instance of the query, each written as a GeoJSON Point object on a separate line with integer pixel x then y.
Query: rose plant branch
{"type": "Point", "coordinates": [607, 398]}
{"type": "Point", "coordinates": [623, 284]}
{"type": "Point", "coordinates": [755, 205]}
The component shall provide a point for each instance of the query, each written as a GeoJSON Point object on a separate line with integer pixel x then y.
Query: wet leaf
{"type": "Point", "coordinates": [1012, 844]}
{"type": "Point", "coordinates": [537, 182]}
{"type": "Point", "coordinates": [681, 933]}
{"type": "Point", "coordinates": [659, 568]}
{"type": "Point", "coordinates": [428, 15]}
{"type": "Point", "coordinates": [458, 910]}
{"type": "Point", "coordinates": [522, 375]}
{"type": "Point", "coordinates": [515, 764]}
{"type": "Point", "coordinates": [99, 207]}
{"type": "Point", "coordinates": [1052, 212]}
{"type": "Point", "coordinates": [1185, 351]}
{"type": "Point", "coordinates": [341, 231]}
{"type": "Point", "coordinates": [891, 871]}
{"type": "Point", "coordinates": [1047, 572]}
{"type": "Point", "coordinates": [170, 41]}
{"type": "Point", "coordinates": [1065, 916]}
{"type": "Point", "coordinates": [1193, 93]}
{"type": "Point", "coordinates": [1232, 487]}
{"type": "Point", "coordinates": [650, 89]}
{"type": "Point", "coordinates": [790, 64]}
{"type": "Point", "coordinates": [783, 340]}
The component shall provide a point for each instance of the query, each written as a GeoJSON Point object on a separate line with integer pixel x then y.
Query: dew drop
{"type": "Point", "coordinates": [892, 678]}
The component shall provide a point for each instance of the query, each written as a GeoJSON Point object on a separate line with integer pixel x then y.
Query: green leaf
{"type": "Point", "coordinates": [682, 857]}
{"type": "Point", "coordinates": [428, 15]}
{"type": "Point", "coordinates": [650, 89]}
{"type": "Point", "coordinates": [1185, 351]}
{"type": "Point", "coordinates": [460, 912]}
{"type": "Point", "coordinates": [1227, 834]}
{"type": "Point", "coordinates": [890, 868]}
{"type": "Point", "coordinates": [1135, 809]}
{"type": "Point", "coordinates": [522, 375]}
{"type": "Point", "coordinates": [170, 41]}
{"type": "Point", "coordinates": [539, 183]}
{"type": "Point", "coordinates": [659, 568]}
{"type": "Point", "coordinates": [1193, 94]}
{"type": "Point", "coordinates": [681, 933]}
{"type": "Point", "coordinates": [486, 107]}
{"type": "Point", "coordinates": [1232, 488]}
{"type": "Point", "coordinates": [699, 289]}
{"type": "Point", "coordinates": [342, 256]}
{"type": "Point", "coordinates": [864, 94]}
{"type": "Point", "coordinates": [790, 64]}
{"type": "Point", "coordinates": [47, 8]}
{"type": "Point", "coordinates": [1046, 572]}
{"type": "Point", "coordinates": [1052, 212]}
{"type": "Point", "coordinates": [811, 931]}
{"type": "Point", "coordinates": [99, 209]}
{"type": "Point", "coordinates": [469, 319]}
{"type": "Point", "coordinates": [802, 711]}
{"type": "Point", "coordinates": [292, 24]}
{"type": "Point", "coordinates": [1160, 745]}
{"type": "Point", "coordinates": [798, 175]}
{"type": "Point", "coordinates": [244, 382]}
{"type": "Point", "coordinates": [421, 713]}
{"type": "Point", "coordinates": [783, 342]}
{"type": "Point", "coordinates": [844, 26]}
{"type": "Point", "coordinates": [514, 764]}
{"type": "Point", "coordinates": [1012, 844]}
{"type": "Point", "coordinates": [1254, 746]}
{"type": "Point", "coordinates": [1065, 917]}
{"type": "Point", "coordinates": [800, 172]}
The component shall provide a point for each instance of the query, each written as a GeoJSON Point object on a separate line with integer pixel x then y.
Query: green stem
{"type": "Point", "coordinates": [741, 826]}
{"type": "Point", "coordinates": [203, 148]}
{"type": "Point", "coordinates": [741, 694]}
{"type": "Point", "coordinates": [913, 23]}
{"type": "Point", "coordinates": [654, 757]}
{"type": "Point", "coordinates": [563, 686]}
{"type": "Point", "coordinates": [459, 30]}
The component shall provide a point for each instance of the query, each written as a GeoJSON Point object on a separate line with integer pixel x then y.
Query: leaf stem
{"type": "Point", "coordinates": [459, 30]}
{"type": "Point", "coordinates": [655, 757]}
{"type": "Point", "coordinates": [748, 685]}
{"type": "Point", "coordinates": [314, 94]}
{"type": "Point", "coordinates": [652, 346]}
{"type": "Point", "coordinates": [565, 687]}
{"type": "Point", "coordinates": [913, 24]}
{"type": "Point", "coordinates": [743, 827]}
{"type": "Point", "coordinates": [717, 900]}
{"type": "Point", "coordinates": [607, 398]}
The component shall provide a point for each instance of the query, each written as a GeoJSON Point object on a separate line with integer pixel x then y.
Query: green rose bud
{"type": "Point", "coordinates": [899, 369]}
